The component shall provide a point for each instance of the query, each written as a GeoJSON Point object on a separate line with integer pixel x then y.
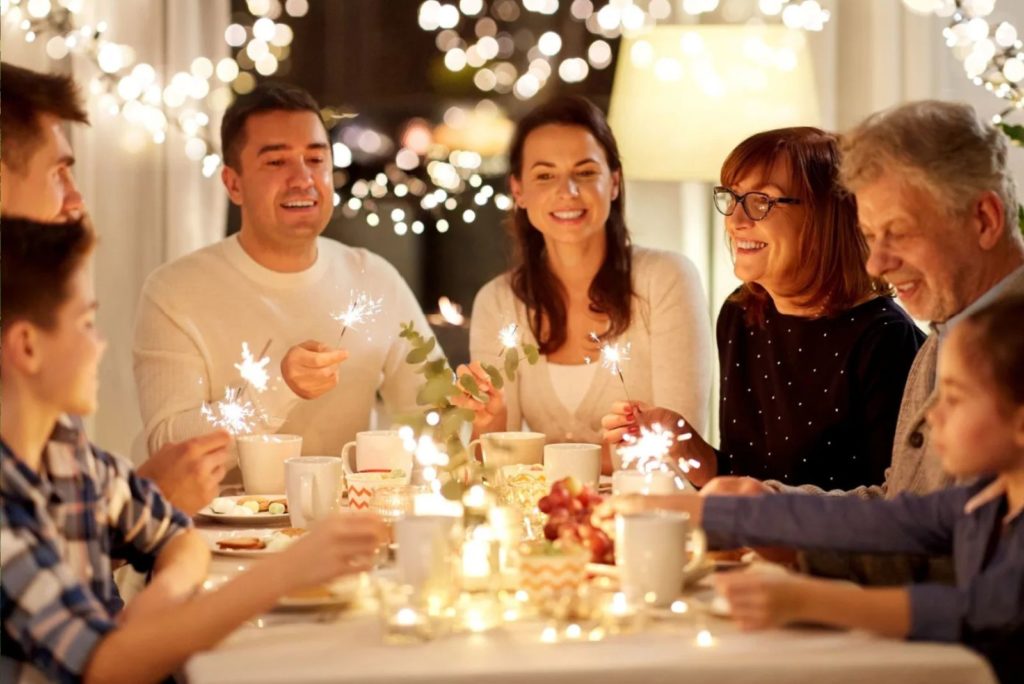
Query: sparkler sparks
{"type": "Point", "coordinates": [612, 358]}
{"type": "Point", "coordinates": [231, 413]}
{"type": "Point", "coordinates": [361, 309]}
{"type": "Point", "coordinates": [252, 370]}
{"type": "Point", "coordinates": [651, 452]}
{"type": "Point", "coordinates": [509, 337]}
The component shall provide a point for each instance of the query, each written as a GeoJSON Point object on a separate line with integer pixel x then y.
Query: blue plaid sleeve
{"type": "Point", "coordinates": [141, 520]}
{"type": "Point", "coordinates": [50, 620]}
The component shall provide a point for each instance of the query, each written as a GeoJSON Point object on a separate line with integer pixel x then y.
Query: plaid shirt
{"type": "Point", "coordinates": [62, 528]}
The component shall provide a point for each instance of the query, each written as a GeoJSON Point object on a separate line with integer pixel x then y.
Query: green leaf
{"type": "Point", "coordinates": [435, 391]}
{"type": "Point", "coordinates": [470, 384]}
{"type": "Point", "coordinates": [495, 375]}
{"type": "Point", "coordinates": [1014, 132]}
{"type": "Point", "coordinates": [511, 364]}
{"type": "Point", "coordinates": [452, 490]}
{"type": "Point", "coordinates": [464, 415]}
{"type": "Point", "coordinates": [532, 353]}
{"type": "Point", "coordinates": [419, 354]}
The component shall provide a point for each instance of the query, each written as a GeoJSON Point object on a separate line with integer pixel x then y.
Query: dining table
{"type": "Point", "coordinates": [348, 644]}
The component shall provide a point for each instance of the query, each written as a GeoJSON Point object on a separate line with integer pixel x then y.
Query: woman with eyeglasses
{"type": "Point", "coordinates": [813, 352]}
{"type": "Point", "coordinates": [576, 273]}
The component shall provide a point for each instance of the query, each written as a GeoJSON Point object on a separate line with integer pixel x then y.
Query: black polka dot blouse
{"type": "Point", "coordinates": [813, 401]}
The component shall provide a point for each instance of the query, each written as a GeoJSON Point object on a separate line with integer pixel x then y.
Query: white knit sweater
{"type": "Point", "coordinates": [195, 313]}
{"type": "Point", "coordinates": [671, 357]}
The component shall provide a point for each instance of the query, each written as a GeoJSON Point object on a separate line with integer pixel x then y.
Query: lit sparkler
{"type": "Point", "coordinates": [254, 369]}
{"type": "Point", "coordinates": [361, 309]}
{"type": "Point", "coordinates": [612, 358]}
{"type": "Point", "coordinates": [509, 337]}
{"type": "Point", "coordinates": [230, 413]}
{"type": "Point", "coordinates": [650, 452]}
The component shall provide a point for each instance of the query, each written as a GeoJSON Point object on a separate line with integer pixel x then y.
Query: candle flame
{"type": "Point", "coordinates": [450, 311]}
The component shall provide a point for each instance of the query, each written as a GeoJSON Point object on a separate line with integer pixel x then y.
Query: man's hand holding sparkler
{"type": "Point", "coordinates": [490, 415]}
{"type": "Point", "coordinates": [624, 422]}
{"type": "Point", "coordinates": [310, 369]}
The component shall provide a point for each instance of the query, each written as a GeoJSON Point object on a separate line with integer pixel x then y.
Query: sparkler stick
{"type": "Point", "coordinates": [361, 309]}
{"type": "Point", "coordinates": [230, 413]}
{"type": "Point", "coordinates": [612, 358]}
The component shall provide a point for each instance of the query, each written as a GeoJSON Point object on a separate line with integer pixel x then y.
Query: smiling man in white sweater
{"type": "Point", "coordinates": [276, 280]}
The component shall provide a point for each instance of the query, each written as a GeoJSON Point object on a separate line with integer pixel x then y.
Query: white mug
{"type": "Point", "coordinates": [424, 554]}
{"type": "Point", "coordinates": [581, 461]}
{"type": "Point", "coordinates": [509, 448]}
{"type": "Point", "coordinates": [313, 488]}
{"type": "Point", "coordinates": [650, 552]}
{"type": "Point", "coordinates": [376, 451]}
{"type": "Point", "coordinates": [261, 459]}
{"type": "Point", "coordinates": [636, 482]}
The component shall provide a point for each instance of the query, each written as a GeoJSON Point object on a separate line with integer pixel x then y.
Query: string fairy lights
{"type": "Point", "coordinates": [496, 39]}
{"type": "Point", "coordinates": [142, 95]}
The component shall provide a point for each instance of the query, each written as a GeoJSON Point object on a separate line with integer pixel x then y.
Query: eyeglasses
{"type": "Point", "coordinates": [756, 205]}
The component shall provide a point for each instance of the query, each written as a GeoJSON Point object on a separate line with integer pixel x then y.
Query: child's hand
{"type": "Point", "coordinates": [759, 600]}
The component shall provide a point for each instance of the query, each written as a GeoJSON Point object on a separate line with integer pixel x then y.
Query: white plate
{"type": "Point", "coordinates": [256, 519]}
{"type": "Point", "coordinates": [342, 592]}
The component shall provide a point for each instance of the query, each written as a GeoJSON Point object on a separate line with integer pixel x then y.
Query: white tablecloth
{"type": "Point", "coordinates": [350, 650]}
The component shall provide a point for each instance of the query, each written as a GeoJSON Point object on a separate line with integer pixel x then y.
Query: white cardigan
{"type": "Point", "coordinates": [671, 357]}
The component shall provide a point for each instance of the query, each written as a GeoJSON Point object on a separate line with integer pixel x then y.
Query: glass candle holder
{"type": "Point", "coordinates": [404, 620]}
{"type": "Point", "coordinates": [619, 615]}
{"type": "Point", "coordinates": [522, 486]}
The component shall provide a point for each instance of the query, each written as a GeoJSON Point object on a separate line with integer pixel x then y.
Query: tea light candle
{"type": "Point", "coordinates": [476, 563]}
{"type": "Point", "coordinates": [406, 625]}
{"type": "Point", "coordinates": [480, 613]}
{"type": "Point", "coordinates": [620, 615]}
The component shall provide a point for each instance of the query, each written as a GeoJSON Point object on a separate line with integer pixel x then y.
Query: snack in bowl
{"type": "Point", "coordinates": [574, 518]}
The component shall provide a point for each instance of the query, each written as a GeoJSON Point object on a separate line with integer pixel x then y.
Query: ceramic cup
{"type": "Point", "coordinates": [581, 461]}
{"type": "Point", "coordinates": [376, 451]}
{"type": "Point", "coordinates": [509, 448]}
{"type": "Point", "coordinates": [650, 552]}
{"type": "Point", "coordinates": [636, 482]}
{"type": "Point", "coordinates": [261, 459]}
{"type": "Point", "coordinates": [313, 485]}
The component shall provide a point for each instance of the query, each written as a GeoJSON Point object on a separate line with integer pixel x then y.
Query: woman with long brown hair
{"type": "Point", "coordinates": [813, 352]}
{"type": "Point", "coordinates": [576, 273]}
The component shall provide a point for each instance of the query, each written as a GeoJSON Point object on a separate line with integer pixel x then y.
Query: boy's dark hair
{"type": "Point", "coordinates": [37, 261]}
{"type": "Point", "coordinates": [267, 97]}
{"type": "Point", "coordinates": [24, 96]}
{"type": "Point", "coordinates": [997, 345]}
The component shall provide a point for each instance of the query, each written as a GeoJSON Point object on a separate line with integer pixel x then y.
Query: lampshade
{"type": "Point", "coordinates": [685, 96]}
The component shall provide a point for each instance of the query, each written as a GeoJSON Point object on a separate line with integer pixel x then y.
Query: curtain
{"type": "Point", "coordinates": [149, 202]}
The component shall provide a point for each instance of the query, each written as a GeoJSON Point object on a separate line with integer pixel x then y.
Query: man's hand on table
{"type": "Point", "coordinates": [189, 473]}
{"type": "Point", "coordinates": [310, 369]}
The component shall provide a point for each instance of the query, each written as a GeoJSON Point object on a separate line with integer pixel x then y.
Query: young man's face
{"type": "Point", "coordinates": [284, 184]}
{"type": "Point", "coordinates": [61, 364]}
{"type": "Point", "coordinates": [44, 190]}
{"type": "Point", "coordinates": [975, 430]}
